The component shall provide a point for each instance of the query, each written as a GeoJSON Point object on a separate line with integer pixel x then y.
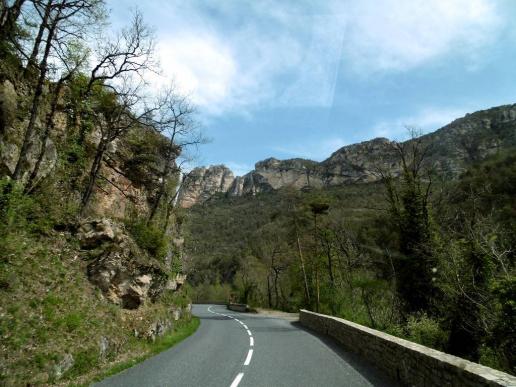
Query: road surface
{"type": "Point", "coordinates": [237, 349]}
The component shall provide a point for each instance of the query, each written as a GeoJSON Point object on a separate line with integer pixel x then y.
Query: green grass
{"type": "Point", "coordinates": [160, 345]}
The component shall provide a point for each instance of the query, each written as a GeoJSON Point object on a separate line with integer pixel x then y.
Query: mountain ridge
{"type": "Point", "coordinates": [454, 146]}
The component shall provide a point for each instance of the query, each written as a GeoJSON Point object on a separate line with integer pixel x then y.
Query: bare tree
{"type": "Point", "coordinates": [173, 118]}
{"type": "Point", "coordinates": [119, 110]}
{"type": "Point", "coordinates": [9, 15]}
{"type": "Point", "coordinates": [57, 16]}
{"type": "Point", "coordinates": [130, 51]}
{"type": "Point", "coordinates": [73, 60]}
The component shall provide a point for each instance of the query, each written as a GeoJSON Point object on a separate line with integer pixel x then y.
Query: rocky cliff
{"type": "Point", "coordinates": [202, 183]}
{"type": "Point", "coordinates": [79, 286]}
{"type": "Point", "coordinates": [450, 150]}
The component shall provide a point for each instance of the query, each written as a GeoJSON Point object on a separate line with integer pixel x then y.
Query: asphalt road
{"type": "Point", "coordinates": [232, 348]}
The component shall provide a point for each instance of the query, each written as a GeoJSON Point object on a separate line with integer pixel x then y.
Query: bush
{"type": "Point", "coordinates": [170, 297]}
{"type": "Point", "coordinates": [149, 238]}
{"type": "Point", "coordinates": [426, 331]}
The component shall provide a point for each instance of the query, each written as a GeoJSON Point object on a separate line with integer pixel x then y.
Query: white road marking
{"type": "Point", "coordinates": [248, 358]}
{"type": "Point", "coordinates": [247, 361]}
{"type": "Point", "coordinates": [237, 379]}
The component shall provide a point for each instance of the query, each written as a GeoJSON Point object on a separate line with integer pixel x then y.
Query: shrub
{"type": "Point", "coordinates": [426, 331]}
{"type": "Point", "coordinates": [149, 238]}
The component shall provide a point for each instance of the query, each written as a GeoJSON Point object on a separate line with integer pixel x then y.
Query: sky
{"type": "Point", "coordinates": [298, 78]}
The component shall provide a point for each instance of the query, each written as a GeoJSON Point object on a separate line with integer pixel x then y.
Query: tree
{"type": "Point", "coordinates": [116, 113]}
{"type": "Point", "coordinates": [409, 209]}
{"type": "Point", "coordinates": [295, 215]}
{"type": "Point", "coordinates": [56, 18]}
{"type": "Point", "coordinates": [173, 118]}
{"type": "Point", "coordinates": [317, 207]}
{"type": "Point", "coordinates": [73, 60]}
{"type": "Point", "coordinates": [9, 15]}
{"type": "Point", "coordinates": [116, 81]}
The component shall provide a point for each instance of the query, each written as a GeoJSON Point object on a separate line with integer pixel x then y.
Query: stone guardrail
{"type": "Point", "coordinates": [238, 307]}
{"type": "Point", "coordinates": [208, 302]}
{"type": "Point", "coordinates": [409, 363]}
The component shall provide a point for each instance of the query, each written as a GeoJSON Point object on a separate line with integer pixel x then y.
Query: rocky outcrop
{"type": "Point", "coordinates": [202, 183]}
{"type": "Point", "coordinates": [12, 131]}
{"type": "Point", "coordinates": [118, 267]}
{"type": "Point", "coordinates": [273, 174]}
{"type": "Point", "coordinates": [451, 149]}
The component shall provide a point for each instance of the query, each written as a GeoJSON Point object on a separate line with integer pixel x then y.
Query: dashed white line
{"type": "Point", "coordinates": [237, 379]}
{"type": "Point", "coordinates": [248, 358]}
{"type": "Point", "coordinates": [247, 361]}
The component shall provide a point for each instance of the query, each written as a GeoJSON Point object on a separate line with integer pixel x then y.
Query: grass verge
{"type": "Point", "coordinates": [169, 340]}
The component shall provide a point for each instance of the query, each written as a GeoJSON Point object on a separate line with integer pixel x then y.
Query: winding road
{"type": "Point", "coordinates": [238, 349]}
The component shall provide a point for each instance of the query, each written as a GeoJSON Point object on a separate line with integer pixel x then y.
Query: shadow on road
{"type": "Point", "coordinates": [373, 375]}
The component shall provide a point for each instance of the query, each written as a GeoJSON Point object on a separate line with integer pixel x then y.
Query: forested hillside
{"type": "Point", "coordinates": [90, 256]}
{"type": "Point", "coordinates": [418, 255]}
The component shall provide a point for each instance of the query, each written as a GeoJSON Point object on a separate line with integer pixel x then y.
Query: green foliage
{"type": "Point", "coordinates": [426, 331]}
{"type": "Point", "coordinates": [145, 149]}
{"type": "Point", "coordinates": [83, 361]}
{"type": "Point", "coordinates": [180, 299]}
{"type": "Point", "coordinates": [149, 238]}
{"type": "Point", "coordinates": [409, 209]}
{"type": "Point", "coordinates": [504, 335]}
{"type": "Point", "coordinates": [459, 266]}
{"type": "Point", "coordinates": [207, 292]}
{"type": "Point", "coordinates": [19, 212]}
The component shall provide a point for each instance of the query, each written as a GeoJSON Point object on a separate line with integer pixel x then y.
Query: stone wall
{"type": "Point", "coordinates": [238, 307]}
{"type": "Point", "coordinates": [409, 363]}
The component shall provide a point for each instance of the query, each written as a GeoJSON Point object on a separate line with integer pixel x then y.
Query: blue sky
{"type": "Point", "coordinates": [302, 78]}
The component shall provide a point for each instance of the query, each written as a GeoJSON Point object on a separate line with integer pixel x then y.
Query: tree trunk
{"type": "Point", "coordinates": [269, 294]}
{"type": "Point", "coordinates": [31, 64]}
{"type": "Point", "coordinates": [8, 19]}
{"type": "Point", "coordinates": [160, 194]}
{"type": "Point", "coordinates": [332, 279]}
{"type": "Point", "coordinates": [318, 300]}
{"type": "Point", "coordinates": [164, 177]}
{"type": "Point", "coordinates": [95, 167]}
{"type": "Point", "coordinates": [36, 101]}
{"type": "Point", "coordinates": [276, 289]}
{"type": "Point", "coordinates": [45, 135]}
{"type": "Point", "coordinates": [307, 292]}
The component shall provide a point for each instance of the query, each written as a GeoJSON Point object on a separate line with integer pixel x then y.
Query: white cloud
{"type": "Point", "coordinates": [236, 56]}
{"type": "Point", "coordinates": [403, 34]}
{"type": "Point", "coordinates": [427, 120]}
{"type": "Point", "coordinates": [201, 66]}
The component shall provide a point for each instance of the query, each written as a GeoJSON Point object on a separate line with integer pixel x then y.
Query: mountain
{"type": "Point", "coordinates": [451, 149]}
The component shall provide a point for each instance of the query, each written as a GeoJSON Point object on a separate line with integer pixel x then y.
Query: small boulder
{"type": "Point", "coordinates": [64, 365]}
{"type": "Point", "coordinates": [93, 233]}
{"type": "Point", "coordinates": [103, 347]}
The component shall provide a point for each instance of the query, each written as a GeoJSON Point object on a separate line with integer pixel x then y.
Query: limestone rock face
{"type": "Point", "coordinates": [274, 174]}
{"type": "Point", "coordinates": [12, 131]}
{"type": "Point", "coordinates": [202, 183]}
{"type": "Point", "coordinates": [114, 265]}
{"type": "Point", "coordinates": [451, 149]}
{"type": "Point", "coordinates": [359, 163]}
